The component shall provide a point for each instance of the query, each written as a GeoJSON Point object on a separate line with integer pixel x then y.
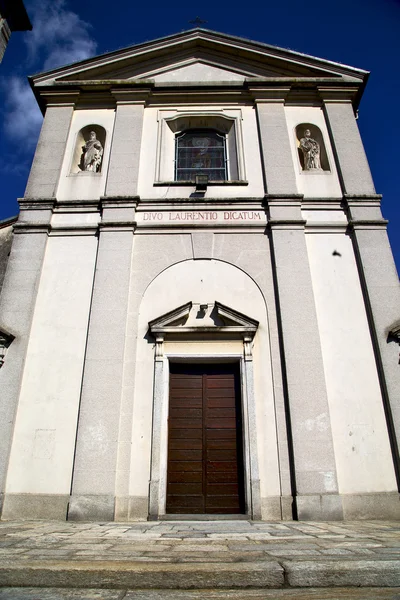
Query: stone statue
{"type": "Point", "coordinates": [310, 149]}
{"type": "Point", "coordinates": [92, 154]}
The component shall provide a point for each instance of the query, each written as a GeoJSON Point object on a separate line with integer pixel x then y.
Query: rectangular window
{"type": "Point", "coordinates": [200, 153]}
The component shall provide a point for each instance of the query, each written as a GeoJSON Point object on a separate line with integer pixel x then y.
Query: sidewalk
{"type": "Point", "coordinates": [151, 558]}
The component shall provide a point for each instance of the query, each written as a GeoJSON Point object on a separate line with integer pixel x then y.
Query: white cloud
{"type": "Point", "coordinates": [23, 118]}
{"type": "Point", "coordinates": [59, 36]}
{"type": "Point", "coordinates": [58, 33]}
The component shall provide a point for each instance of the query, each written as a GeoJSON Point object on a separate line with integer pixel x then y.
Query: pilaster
{"type": "Point", "coordinates": [310, 435]}
{"type": "Point", "coordinates": [381, 288]}
{"type": "Point", "coordinates": [123, 170]}
{"type": "Point", "coordinates": [46, 166]}
{"type": "Point", "coordinates": [275, 146]}
{"type": "Point", "coordinates": [17, 304]}
{"type": "Point", "coordinates": [94, 475]}
{"type": "Point", "coordinates": [352, 162]}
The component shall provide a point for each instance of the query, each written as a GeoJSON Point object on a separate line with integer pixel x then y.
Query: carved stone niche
{"type": "Point", "coordinates": [311, 148]}
{"type": "Point", "coordinates": [90, 143]}
{"type": "Point", "coordinates": [5, 341]}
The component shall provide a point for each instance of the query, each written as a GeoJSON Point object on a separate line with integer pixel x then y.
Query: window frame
{"type": "Point", "coordinates": [173, 122]}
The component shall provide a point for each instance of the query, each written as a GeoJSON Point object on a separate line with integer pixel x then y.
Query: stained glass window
{"type": "Point", "coordinates": [200, 153]}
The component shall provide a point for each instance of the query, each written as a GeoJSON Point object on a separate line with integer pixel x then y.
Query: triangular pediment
{"type": "Point", "coordinates": [197, 70]}
{"type": "Point", "coordinates": [211, 317]}
{"type": "Point", "coordinates": [199, 55]}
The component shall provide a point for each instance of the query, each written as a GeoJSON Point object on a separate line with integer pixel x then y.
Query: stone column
{"type": "Point", "coordinates": [310, 427]}
{"type": "Point", "coordinates": [123, 167]}
{"type": "Point", "coordinates": [46, 166]}
{"type": "Point", "coordinates": [17, 303]}
{"type": "Point", "coordinates": [93, 487]}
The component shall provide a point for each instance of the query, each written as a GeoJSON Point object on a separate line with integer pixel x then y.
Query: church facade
{"type": "Point", "coordinates": [200, 312]}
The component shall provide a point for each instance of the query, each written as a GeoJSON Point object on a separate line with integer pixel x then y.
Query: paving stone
{"type": "Point", "coordinates": [200, 548]}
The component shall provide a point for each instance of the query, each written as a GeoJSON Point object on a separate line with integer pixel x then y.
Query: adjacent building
{"type": "Point", "coordinates": [200, 313]}
{"type": "Point", "coordinates": [13, 17]}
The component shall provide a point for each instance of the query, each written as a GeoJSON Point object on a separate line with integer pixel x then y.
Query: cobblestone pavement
{"type": "Point", "coordinates": [196, 554]}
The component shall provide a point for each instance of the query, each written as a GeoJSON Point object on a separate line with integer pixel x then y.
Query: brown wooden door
{"type": "Point", "coordinates": [205, 459]}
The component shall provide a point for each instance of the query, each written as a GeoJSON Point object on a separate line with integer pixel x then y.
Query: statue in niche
{"type": "Point", "coordinates": [92, 153]}
{"type": "Point", "coordinates": [310, 149]}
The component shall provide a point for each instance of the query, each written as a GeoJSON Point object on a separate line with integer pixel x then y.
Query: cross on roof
{"type": "Point", "coordinates": [197, 21]}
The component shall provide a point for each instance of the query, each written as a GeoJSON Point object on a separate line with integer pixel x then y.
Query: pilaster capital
{"type": "Point", "coordinates": [59, 98]}
{"type": "Point", "coordinates": [283, 199]}
{"type": "Point", "coordinates": [129, 96]}
{"type": "Point", "coordinates": [119, 201]}
{"type": "Point", "coordinates": [263, 94]}
{"type": "Point", "coordinates": [363, 199]}
{"type": "Point", "coordinates": [358, 224]}
{"type": "Point", "coordinates": [284, 210]}
{"type": "Point", "coordinates": [336, 94]}
{"type": "Point", "coordinates": [37, 203]}
{"type": "Point", "coordinates": [117, 226]}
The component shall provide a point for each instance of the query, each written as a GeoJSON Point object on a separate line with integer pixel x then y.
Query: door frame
{"type": "Point", "coordinates": [159, 448]}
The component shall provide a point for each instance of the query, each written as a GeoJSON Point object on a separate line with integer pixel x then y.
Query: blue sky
{"type": "Point", "coordinates": [360, 33]}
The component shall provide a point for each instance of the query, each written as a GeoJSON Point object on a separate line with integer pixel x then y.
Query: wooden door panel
{"type": "Point", "coordinates": [183, 466]}
{"type": "Point", "coordinates": [186, 413]}
{"type": "Point", "coordinates": [185, 488]}
{"type": "Point", "coordinates": [186, 500]}
{"type": "Point", "coordinates": [192, 434]}
{"type": "Point", "coordinates": [221, 423]}
{"type": "Point", "coordinates": [185, 476]}
{"type": "Point", "coordinates": [221, 413]}
{"type": "Point", "coordinates": [221, 444]}
{"type": "Point", "coordinates": [221, 434]}
{"type": "Point", "coordinates": [186, 423]}
{"type": "Point", "coordinates": [182, 444]}
{"type": "Point", "coordinates": [228, 477]}
{"type": "Point", "coordinates": [218, 454]}
{"type": "Point", "coordinates": [223, 500]}
{"type": "Point", "coordinates": [218, 467]}
{"type": "Point", "coordinates": [185, 455]}
{"type": "Point", "coordinates": [225, 489]}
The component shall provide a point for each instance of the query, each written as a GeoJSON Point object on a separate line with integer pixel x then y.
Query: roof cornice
{"type": "Point", "coordinates": [107, 93]}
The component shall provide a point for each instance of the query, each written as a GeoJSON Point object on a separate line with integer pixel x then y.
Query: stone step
{"type": "Point", "coordinates": [267, 574]}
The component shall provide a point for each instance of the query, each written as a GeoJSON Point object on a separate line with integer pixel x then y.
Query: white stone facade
{"type": "Point", "coordinates": [282, 269]}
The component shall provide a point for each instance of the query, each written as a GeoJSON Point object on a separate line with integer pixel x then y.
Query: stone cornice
{"type": "Point", "coordinates": [368, 223]}
{"type": "Point", "coordinates": [109, 93]}
{"type": "Point", "coordinates": [37, 203]}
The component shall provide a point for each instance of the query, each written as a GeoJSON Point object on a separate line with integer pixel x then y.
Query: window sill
{"type": "Point", "coordinates": [192, 183]}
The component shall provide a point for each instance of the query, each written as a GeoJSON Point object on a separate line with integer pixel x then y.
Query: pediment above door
{"type": "Point", "coordinates": [203, 318]}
